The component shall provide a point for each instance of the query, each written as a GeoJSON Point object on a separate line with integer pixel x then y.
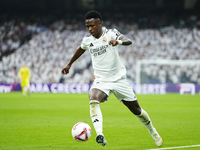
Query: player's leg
{"type": "Point", "coordinates": [23, 88]}
{"type": "Point", "coordinates": [23, 91]}
{"type": "Point", "coordinates": [125, 94]}
{"type": "Point", "coordinates": [28, 88]}
{"type": "Point", "coordinates": [134, 107]}
{"type": "Point", "coordinates": [144, 118]}
{"type": "Point", "coordinates": [96, 97]}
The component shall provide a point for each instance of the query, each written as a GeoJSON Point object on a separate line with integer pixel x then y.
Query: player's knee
{"type": "Point", "coordinates": [97, 95]}
{"type": "Point", "coordinates": [133, 106]}
{"type": "Point", "coordinates": [93, 96]}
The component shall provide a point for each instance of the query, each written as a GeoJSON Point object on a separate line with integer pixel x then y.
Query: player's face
{"type": "Point", "coordinates": [94, 27]}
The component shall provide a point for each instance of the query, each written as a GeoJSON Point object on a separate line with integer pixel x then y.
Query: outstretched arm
{"type": "Point", "coordinates": [76, 55]}
{"type": "Point", "coordinates": [123, 40]}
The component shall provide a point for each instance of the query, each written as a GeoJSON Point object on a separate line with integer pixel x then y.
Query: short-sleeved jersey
{"type": "Point", "coordinates": [106, 62]}
{"type": "Point", "coordinates": [24, 74]}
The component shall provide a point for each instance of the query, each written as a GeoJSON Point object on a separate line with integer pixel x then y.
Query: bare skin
{"type": "Point", "coordinates": [133, 106]}
{"type": "Point", "coordinates": [95, 29]}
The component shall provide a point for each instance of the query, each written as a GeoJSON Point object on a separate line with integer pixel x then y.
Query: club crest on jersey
{"type": "Point", "coordinates": [104, 40]}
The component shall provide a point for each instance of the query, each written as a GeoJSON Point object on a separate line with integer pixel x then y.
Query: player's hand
{"type": "Point", "coordinates": [65, 70]}
{"type": "Point", "coordinates": [113, 42]}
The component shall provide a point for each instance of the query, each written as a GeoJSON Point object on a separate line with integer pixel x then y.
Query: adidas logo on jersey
{"type": "Point", "coordinates": [91, 45]}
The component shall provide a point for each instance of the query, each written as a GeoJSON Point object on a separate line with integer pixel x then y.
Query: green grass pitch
{"type": "Point", "coordinates": [45, 121]}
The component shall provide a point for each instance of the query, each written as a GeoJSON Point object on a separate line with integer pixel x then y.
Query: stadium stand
{"type": "Point", "coordinates": [47, 46]}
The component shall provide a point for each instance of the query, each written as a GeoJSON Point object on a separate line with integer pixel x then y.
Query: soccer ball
{"type": "Point", "coordinates": [81, 132]}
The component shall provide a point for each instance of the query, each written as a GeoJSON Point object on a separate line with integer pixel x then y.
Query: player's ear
{"type": "Point", "coordinates": [99, 23]}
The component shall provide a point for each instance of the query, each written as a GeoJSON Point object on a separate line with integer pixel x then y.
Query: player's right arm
{"type": "Point", "coordinates": [76, 55]}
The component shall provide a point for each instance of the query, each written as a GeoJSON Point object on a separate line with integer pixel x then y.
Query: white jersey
{"type": "Point", "coordinates": [105, 58]}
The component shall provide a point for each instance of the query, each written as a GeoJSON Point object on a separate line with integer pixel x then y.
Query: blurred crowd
{"type": "Point", "coordinates": [47, 46]}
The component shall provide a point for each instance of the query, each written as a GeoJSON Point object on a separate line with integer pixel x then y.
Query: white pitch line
{"type": "Point", "coordinates": [175, 147]}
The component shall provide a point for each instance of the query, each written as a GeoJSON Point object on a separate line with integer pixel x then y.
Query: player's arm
{"type": "Point", "coordinates": [125, 40]}
{"type": "Point", "coordinates": [76, 55]}
{"type": "Point", "coordinates": [122, 40]}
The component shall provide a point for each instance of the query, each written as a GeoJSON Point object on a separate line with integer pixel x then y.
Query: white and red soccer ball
{"type": "Point", "coordinates": [81, 131]}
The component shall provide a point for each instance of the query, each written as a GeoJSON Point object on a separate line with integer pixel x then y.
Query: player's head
{"type": "Point", "coordinates": [93, 14]}
{"type": "Point", "coordinates": [93, 21]}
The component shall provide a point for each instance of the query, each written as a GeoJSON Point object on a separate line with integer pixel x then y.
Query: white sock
{"type": "Point", "coordinates": [144, 118]}
{"type": "Point", "coordinates": [96, 116]}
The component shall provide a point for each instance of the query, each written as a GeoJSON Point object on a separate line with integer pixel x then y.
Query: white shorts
{"type": "Point", "coordinates": [120, 88]}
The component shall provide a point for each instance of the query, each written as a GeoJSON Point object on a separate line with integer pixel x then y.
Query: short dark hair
{"type": "Point", "coordinates": [93, 14]}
